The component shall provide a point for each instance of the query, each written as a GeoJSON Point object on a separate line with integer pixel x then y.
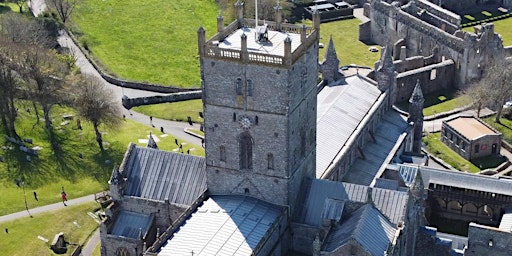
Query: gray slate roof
{"type": "Point", "coordinates": [364, 171]}
{"type": "Point", "coordinates": [392, 203]}
{"type": "Point", "coordinates": [224, 225]}
{"type": "Point", "coordinates": [130, 224]}
{"type": "Point", "coordinates": [466, 180]}
{"type": "Point", "coordinates": [368, 227]}
{"type": "Point", "coordinates": [341, 108]}
{"type": "Point", "coordinates": [506, 221]}
{"type": "Point", "coordinates": [157, 175]}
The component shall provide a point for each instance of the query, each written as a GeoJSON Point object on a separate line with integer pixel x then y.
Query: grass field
{"type": "Point", "coordinates": [178, 111]}
{"type": "Point", "coordinates": [22, 238]}
{"type": "Point", "coordinates": [505, 127]}
{"type": "Point", "coordinates": [439, 102]}
{"type": "Point", "coordinates": [79, 175]}
{"type": "Point", "coordinates": [350, 50]}
{"type": "Point", "coordinates": [153, 41]}
{"type": "Point", "coordinates": [439, 149]}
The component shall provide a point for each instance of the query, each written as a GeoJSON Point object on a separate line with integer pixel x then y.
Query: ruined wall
{"type": "Point", "coordinates": [428, 244]}
{"type": "Point", "coordinates": [484, 240]}
{"type": "Point", "coordinates": [431, 78]}
{"type": "Point", "coordinates": [469, 52]}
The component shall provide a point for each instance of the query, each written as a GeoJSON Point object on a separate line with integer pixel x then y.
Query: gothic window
{"type": "Point", "coordinates": [234, 117]}
{"type": "Point", "coordinates": [477, 148]}
{"type": "Point", "coordinates": [122, 252]}
{"type": "Point", "coordinates": [222, 152]}
{"type": "Point", "coordinates": [270, 161]}
{"type": "Point", "coordinates": [256, 120]}
{"type": "Point", "coordinates": [249, 87]}
{"type": "Point", "coordinates": [239, 86]}
{"type": "Point", "coordinates": [245, 150]}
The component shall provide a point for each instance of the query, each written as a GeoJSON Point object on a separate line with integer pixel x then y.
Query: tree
{"type": "Point", "coordinates": [21, 29]}
{"type": "Point", "coordinates": [63, 8]}
{"type": "Point", "coordinates": [9, 90]}
{"type": "Point", "coordinates": [44, 75]}
{"type": "Point", "coordinates": [19, 3]}
{"type": "Point", "coordinates": [499, 80]}
{"type": "Point", "coordinates": [96, 103]}
{"type": "Point", "coordinates": [479, 94]}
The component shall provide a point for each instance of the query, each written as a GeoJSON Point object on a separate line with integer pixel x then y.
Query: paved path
{"type": "Point", "coordinates": [56, 206]}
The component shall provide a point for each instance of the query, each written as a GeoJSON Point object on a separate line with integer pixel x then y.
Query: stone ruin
{"type": "Point", "coordinates": [429, 45]}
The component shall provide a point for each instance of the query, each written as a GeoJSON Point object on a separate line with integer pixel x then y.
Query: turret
{"type": "Point", "coordinates": [386, 75]}
{"type": "Point", "coordinates": [330, 64]}
{"type": "Point", "coordinates": [416, 116]}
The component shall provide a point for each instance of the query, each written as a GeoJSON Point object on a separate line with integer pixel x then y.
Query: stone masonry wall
{"type": "Point", "coordinates": [164, 213]}
{"type": "Point", "coordinates": [484, 240]}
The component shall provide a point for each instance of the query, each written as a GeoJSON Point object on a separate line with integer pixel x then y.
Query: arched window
{"type": "Point", "coordinates": [222, 152]}
{"type": "Point", "coordinates": [249, 87]}
{"type": "Point", "coordinates": [245, 150]}
{"type": "Point", "coordinates": [239, 86]}
{"type": "Point", "coordinates": [270, 161]}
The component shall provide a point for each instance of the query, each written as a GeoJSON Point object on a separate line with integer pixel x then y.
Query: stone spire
{"type": "Point", "coordinates": [152, 142]}
{"type": "Point", "coordinates": [385, 75]}
{"type": "Point", "coordinates": [330, 64]}
{"type": "Point", "coordinates": [416, 117]}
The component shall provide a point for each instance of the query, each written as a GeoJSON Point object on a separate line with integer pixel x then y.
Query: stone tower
{"type": "Point", "coordinates": [259, 100]}
{"type": "Point", "coordinates": [385, 75]}
{"type": "Point", "coordinates": [416, 116]}
{"type": "Point", "coordinates": [330, 65]}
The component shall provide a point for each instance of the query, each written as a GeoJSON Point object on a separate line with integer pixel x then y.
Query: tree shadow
{"type": "Point", "coordinates": [4, 9]}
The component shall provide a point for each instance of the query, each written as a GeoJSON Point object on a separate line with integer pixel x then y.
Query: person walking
{"type": "Point", "coordinates": [64, 197]}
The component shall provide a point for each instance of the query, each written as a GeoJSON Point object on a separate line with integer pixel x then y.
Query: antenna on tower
{"type": "Point", "coordinates": [256, 12]}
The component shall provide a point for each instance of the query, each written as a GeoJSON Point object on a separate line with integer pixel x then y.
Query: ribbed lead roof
{"type": "Point", "coordinates": [160, 175]}
{"type": "Point", "coordinates": [392, 203]}
{"type": "Point", "coordinates": [458, 179]}
{"type": "Point", "coordinates": [368, 227]}
{"type": "Point", "coordinates": [363, 171]}
{"type": "Point", "coordinates": [340, 110]}
{"type": "Point", "coordinates": [224, 225]}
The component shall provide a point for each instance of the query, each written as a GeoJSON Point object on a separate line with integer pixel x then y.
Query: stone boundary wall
{"type": "Point", "coordinates": [124, 83]}
{"type": "Point", "coordinates": [129, 103]}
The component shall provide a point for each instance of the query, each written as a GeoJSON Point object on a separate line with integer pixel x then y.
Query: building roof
{"type": "Point", "coordinates": [131, 224]}
{"type": "Point", "coordinates": [341, 108]}
{"type": "Point", "coordinates": [470, 127]}
{"type": "Point", "coordinates": [224, 225]}
{"type": "Point", "coordinates": [275, 45]}
{"type": "Point", "coordinates": [392, 203]}
{"type": "Point", "coordinates": [368, 227]}
{"type": "Point", "coordinates": [458, 179]}
{"type": "Point", "coordinates": [159, 175]}
{"type": "Point", "coordinates": [376, 153]}
{"type": "Point", "coordinates": [506, 221]}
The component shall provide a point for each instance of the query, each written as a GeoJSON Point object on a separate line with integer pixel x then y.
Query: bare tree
{"type": "Point", "coordinates": [499, 80]}
{"type": "Point", "coordinates": [96, 103]}
{"type": "Point", "coordinates": [21, 29]}
{"type": "Point", "coordinates": [44, 74]}
{"type": "Point", "coordinates": [9, 90]}
{"type": "Point", "coordinates": [479, 94]}
{"type": "Point", "coordinates": [63, 8]}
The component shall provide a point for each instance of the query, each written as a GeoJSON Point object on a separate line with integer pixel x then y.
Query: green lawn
{"type": "Point", "coordinates": [51, 170]}
{"type": "Point", "coordinates": [22, 238]}
{"type": "Point", "coordinates": [350, 50]}
{"type": "Point", "coordinates": [178, 111]}
{"type": "Point", "coordinates": [505, 127]}
{"type": "Point", "coordinates": [439, 102]}
{"type": "Point", "coordinates": [439, 149]}
{"type": "Point", "coordinates": [154, 41]}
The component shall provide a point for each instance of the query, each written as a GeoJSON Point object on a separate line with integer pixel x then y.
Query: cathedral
{"type": "Point", "coordinates": [292, 166]}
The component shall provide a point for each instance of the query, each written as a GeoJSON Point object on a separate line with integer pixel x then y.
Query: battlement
{"type": "Point", "coordinates": [282, 45]}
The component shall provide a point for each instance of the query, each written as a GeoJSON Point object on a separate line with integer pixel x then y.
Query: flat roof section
{"type": "Point", "coordinates": [130, 224]}
{"type": "Point", "coordinates": [274, 45]}
{"type": "Point", "coordinates": [470, 127]}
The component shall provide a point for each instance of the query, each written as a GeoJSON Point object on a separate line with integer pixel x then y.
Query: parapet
{"type": "Point", "coordinates": [259, 42]}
